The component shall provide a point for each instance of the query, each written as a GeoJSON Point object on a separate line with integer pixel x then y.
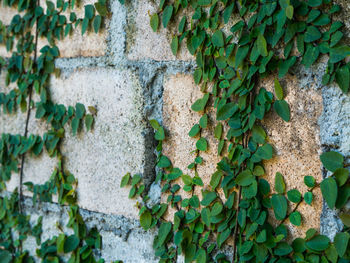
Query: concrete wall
{"type": "Point", "coordinates": [129, 75]}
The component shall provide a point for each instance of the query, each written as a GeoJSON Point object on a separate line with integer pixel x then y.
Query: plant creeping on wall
{"type": "Point", "coordinates": [30, 40]}
{"type": "Point", "coordinates": [236, 44]}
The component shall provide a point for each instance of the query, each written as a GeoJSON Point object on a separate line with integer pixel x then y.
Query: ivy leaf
{"type": "Point", "coordinates": [71, 243]}
{"type": "Point", "coordinates": [75, 125]}
{"type": "Point", "coordinates": [295, 218]}
{"type": "Point", "coordinates": [314, 3]}
{"type": "Point", "coordinates": [146, 220]}
{"type": "Point", "coordinates": [228, 12]}
{"type": "Point", "coordinates": [312, 34]}
{"type": "Point", "coordinates": [194, 130]}
{"type": "Point", "coordinates": [245, 178]}
{"type": "Point", "coordinates": [341, 176]}
{"type": "Point", "coordinates": [282, 109]}
{"type": "Point", "coordinates": [154, 21]}
{"type": "Point", "coordinates": [218, 131]}
{"type": "Point", "coordinates": [164, 162]}
{"type": "Point", "coordinates": [5, 256]}
{"type": "Point", "coordinates": [89, 11]}
{"type": "Point", "coordinates": [200, 104]}
{"type": "Point", "coordinates": [215, 179]}
{"type": "Point", "coordinates": [167, 13]}
{"type": "Point", "coordinates": [337, 54]}
{"type": "Point", "coordinates": [202, 144]}
{"type": "Point", "coordinates": [294, 196]}
{"type": "Point", "coordinates": [290, 11]}
{"type": "Point", "coordinates": [284, 66]}
{"type": "Point", "coordinates": [278, 90]}
{"type": "Point", "coordinates": [226, 111]}
{"type": "Point", "coordinates": [218, 39]}
{"type": "Point", "coordinates": [79, 110]}
{"type": "Point", "coordinates": [197, 75]}
{"type": "Point", "coordinates": [125, 180]}
{"type": "Point", "coordinates": [345, 218]}
{"type": "Point", "coordinates": [241, 53]}
{"type": "Point", "coordinates": [201, 256]}
{"type": "Point", "coordinates": [279, 205]}
{"type": "Point", "coordinates": [222, 237]}
{"type": "Point", "coordinates": [97, 23]}
{"type": "Point", "coordinates": [342, 77]}
{"type": "Point", "coordinates": [311, 55]}
{"type": "Point", "coordinates": [262, 46]}
{"type": "Point", "coordinates": [309, 181]}
{"type": "Point", "coordinates": [332, 160]}
{"type": "Point", "coordinates": [341, 241]}
{"type": "Point", "coordinates": [308, 198]}
{"type": "Point", "coordinates": [280, 185]}
{"type": "Point", "coordinates": [84, 25]}
{"type": "Point", "coordinates": [88, 121]}
{"type": "Point", "coordinates": [318, 243]}
{"type": "Point", "coordinates": [160, 134]}
{"type": "Point", "coordinates": [329, 191]}
{"type": "Point", "coordinates": [208, 198]}
{"type": "Point", "coordinates": [163, 233]}
{"type": "Point", "coordinates": [174, 45]}
{"type": "Point", "coordinates": [283, 249]}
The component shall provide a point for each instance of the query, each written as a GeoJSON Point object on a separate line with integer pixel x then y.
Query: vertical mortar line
{"type": "Point", "coordinates": [28, 115]}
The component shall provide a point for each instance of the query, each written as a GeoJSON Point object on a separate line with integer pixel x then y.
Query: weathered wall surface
{"type": "Point", "coordinates": [129, 75]}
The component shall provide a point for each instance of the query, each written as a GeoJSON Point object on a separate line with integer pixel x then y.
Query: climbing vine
{"type": "Point", "coordinates": [237, 44]}
{"type": "Point", "coordinates": [30, 40]}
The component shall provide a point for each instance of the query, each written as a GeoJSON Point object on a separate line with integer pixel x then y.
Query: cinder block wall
{"type": "Point", "coordinates": [129, 75]}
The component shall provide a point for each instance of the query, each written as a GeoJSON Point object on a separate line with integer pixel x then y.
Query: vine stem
{"type": "Point", "coordinates": [28, 117]}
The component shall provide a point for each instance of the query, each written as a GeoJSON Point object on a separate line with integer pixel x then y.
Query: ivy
{"type": "Point", "coordinates": [267, 38]}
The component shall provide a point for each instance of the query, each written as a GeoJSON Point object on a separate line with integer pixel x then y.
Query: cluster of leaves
{"type": "Point", "coordinates": [266, 38]}
{"type": "Point", "coordinates": [28, 72]}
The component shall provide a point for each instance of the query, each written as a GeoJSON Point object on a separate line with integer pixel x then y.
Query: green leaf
{"type": "Point", "coordinates": [280, 185]}
{"type": "Point", "coordinates": [203, 121]}
{"type": "Point", "coordinates": [341, 175]}
{"type": "Point", "coordinates": [332, 160]}
{"type": "Point", "coordinates": [208, 198]}
{"type": "Point", "coordinates": [215, 179]}
{"type": "Point", "coordinates": [164, 162]}
{"type": "Point", "coordinates": [88, 121]}
{"type": "Point", "coordinates": [202, 144]}
{"type": "Point", "coordinates": [258, 134]}
{"type": "Point", "coordinates": [194, 130]}
{"type": "Point", "coordinates": [84, 25]}
{"type": "Point", "coordinates": [341, 242]}
{"type": "Point", "coordinates": [197, 75]}
{"type": "Point", "coordinates": [174, 45]}
{"type": "Point", "coordinates": [200, 104]}
{"type": "Point", "coordinates": [222, 237]}
{"type": "Point", "coordinates": [201, 256]}
{"type": "Point", "coordinates": [329, 191]}
{"type": "Point", "coordinates": [5, 256]}
{"type": "Point", "coordinates": [283, 249]}
{"type": "Point", "coordinates": [154, 21]}
{"type": "Point", "coordinates": [314, 3]}
{"type": "Point", "coordinates": [163, 233]}
{"type": "Point", "coordinates": [337, 54]}
{"type": "Point", "coordinates": [186, 179]}
{"type": "Point", "coordinates": [262, 46]}
{"type": "Point", "coordinates": [345, 218]}
{"type": "Point", "coordinates": [79, 110]}
{"type": "Point", "coordinates": [89, 11]}
{"type": "Point", "coordinates": [218, 39]}
{"type": "Point", "coordinates": [245, 178]}
{"type": "Point", "coordinates": [284, 66]}
{"type": "Point", "coordinates": [241, 53]}
{"type": "Point", "coordinates": [125, 180]}
{"type": "Point", "coordinates": [75, 125]}
{"type": "Point", "coordinates": [278, 90]}
{"type": "Point", "coordinates": [342, 77]}
{"type": "Point", "coordinates": [312, 34]}
{"type": "Point", "coordinates": [295, 218]}
{"type": "Point", "coordinates": [226, 111]}
{"type": "Point", "coordinates": [290, 11]}
{"type": "Point", "coordinates": [101, 8]}
{"type": "Point", "coordinates": [97, 23]}
{"type": "Point", "coordinates": [218, 131]}
{"type": "Point", "coordinates": [294, 196]}
{"type": "Point", "coordinates": [318, 243]}
{"type": "Point", "coordinates": [146, 220]}
{"type": "Point", "coordinates": [167, 13]}
{"type": "Point", "coordinates": [282, 109]}
{"type": "Point", "coordinates": [228, 12]}
{"type": "Point", "coordinates": [311, 55]}
{"type": "Point", "coordinates": [160, 134]}
{"type": "Point", "coordinates": [71, 243]}
{"type": "Point", "coordinates": [309, 181]}
{"type": "Point", "coordinates": [308, 198]}
{"type": "Point", "coordinates": [279, 204]}
{"type": "Point", "coordinates": [336, 37]}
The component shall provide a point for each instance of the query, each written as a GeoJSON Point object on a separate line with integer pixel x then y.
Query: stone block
{"type": "Point", "coordinates": [115, 146]}
{"type": "Point", "coordinates": [143, 43]}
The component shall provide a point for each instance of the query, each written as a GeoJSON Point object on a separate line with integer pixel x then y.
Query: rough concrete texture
{"type": "Point", "coordinates": [297, 146]}
{"type": "Point", "coordinates": [120, 235]}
